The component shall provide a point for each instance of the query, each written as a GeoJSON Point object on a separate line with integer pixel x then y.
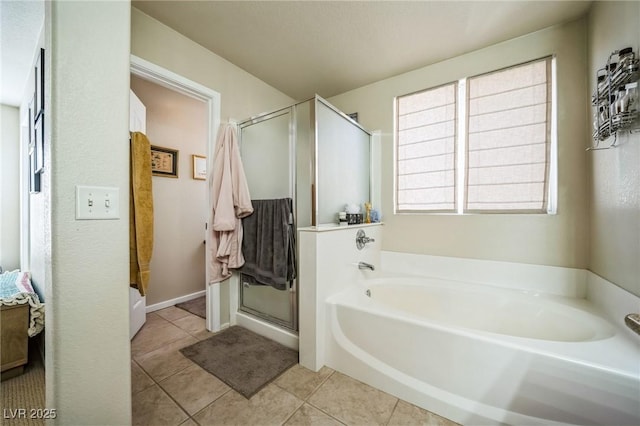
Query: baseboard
{"type": "Point", "coordinates": [172, 302]}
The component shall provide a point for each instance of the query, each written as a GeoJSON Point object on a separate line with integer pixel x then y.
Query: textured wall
{"type": "Point", "coordinates": [86, 269]}
{"type": "Point", "coordinates": [242, 95]}
{"type": "Point", "coordinates": [559, 240]}
{"type": "Point", "coordinates": [615, 180]}
{"type": "Point", "coordinates": [9, 187]}
{"type": "Point", "coordinates": [33, 251]}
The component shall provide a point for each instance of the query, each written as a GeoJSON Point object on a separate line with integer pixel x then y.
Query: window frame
{"type": "Point", "coordinates": [461, 147]}
{"type": "Point", "coordinates": [396, 152]}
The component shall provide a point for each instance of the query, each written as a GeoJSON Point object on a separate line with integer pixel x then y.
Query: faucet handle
{"type": "Point", "coordinates": [362, 239]}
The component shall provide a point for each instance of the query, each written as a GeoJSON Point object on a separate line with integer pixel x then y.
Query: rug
{"type": "Point", "coordinates": [242, 359]}
{"type": "Point", "coordinates": [195, 306]}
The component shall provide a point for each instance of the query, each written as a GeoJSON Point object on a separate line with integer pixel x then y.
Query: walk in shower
{"type": "Point", "coordinates": [320, 158]}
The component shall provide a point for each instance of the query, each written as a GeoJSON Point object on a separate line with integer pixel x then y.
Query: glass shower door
{"type": "Point", "coordinates": [267, 150]}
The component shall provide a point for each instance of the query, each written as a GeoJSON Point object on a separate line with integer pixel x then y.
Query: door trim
{"type": "Point", "coordinates": [137, 302]}
{"type": "Point", "coordinates": [162, 76]}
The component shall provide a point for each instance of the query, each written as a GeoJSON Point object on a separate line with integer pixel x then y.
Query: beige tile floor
{"type": "Point", "coordinates": [169, 389]}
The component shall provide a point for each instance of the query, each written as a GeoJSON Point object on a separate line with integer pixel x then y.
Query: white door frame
{"type": "Point", "coordinates": [173, 81]}
{"type": "Point", "coordinates": [137, 302]}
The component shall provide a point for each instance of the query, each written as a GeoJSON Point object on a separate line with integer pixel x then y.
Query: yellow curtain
{"type": "Point", "coordinates": [140, 213]}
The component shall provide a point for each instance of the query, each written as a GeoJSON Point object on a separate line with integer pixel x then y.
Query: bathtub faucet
{"type": "Point", "coordinates": [362, 239]}
{"type": "Point", "coordinates": [365, 265]}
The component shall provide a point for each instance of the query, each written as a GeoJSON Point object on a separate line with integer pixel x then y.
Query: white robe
{"type": "Point", "coordinates": [230, 203]}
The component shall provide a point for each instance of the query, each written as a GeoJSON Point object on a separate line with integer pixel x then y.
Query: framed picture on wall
{"type": "Point", "coordinates": [34, 178]}
{"type": "Point", "coordinates": [38, 102]}
{"type": "Point", "coordinates": [30, 120]}
{"type": "Point", "coordinates": [164, 161]}
{"type": "Point", "coordinates": [199, 167]}
{"type": "Point", "coordinates": [39, 144]}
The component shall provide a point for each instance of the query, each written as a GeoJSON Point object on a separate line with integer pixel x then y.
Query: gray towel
{"type": "Point", "coordinates": [268, 245]}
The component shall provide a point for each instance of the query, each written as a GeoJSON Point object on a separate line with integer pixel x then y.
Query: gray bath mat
{"type": "Point", "coordinates": [195, 306]}
{"type": "Point", "coordinates": [242, 359]}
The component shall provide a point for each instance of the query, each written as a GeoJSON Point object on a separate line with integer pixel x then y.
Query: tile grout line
{"type": "Point", "coordinates": [318, 408]}
{"type": "Point", "coordinates": [162, 389]}
{"type": "Point", "coordinates": [164, 378]}
{"type": "Point", "coordinates": [275, 382]}
{"type": "Point", "coordinates": [169, 342]}
{"type": "Point", "coordinates": [395, 406]}
{"type": "Point", "coordinates": [344, 422]}
{"type": "Point", "coordinates": [155, 349]}
{"type": "Point", "coordinates": [320, 385]}
{"type": "Point", "coordinates": [209, 405]}
{"type": "Point", "coordinates": [175, 402]}
{"type": "Point", "coordinates": [146, 374]}
{"type": "Point", "coordinates": [187, 331]}
{"type": "Point", "coordinates": [156, 383]}
{"type": "Point", "coordinates": [306, 400]}
{"type": "Point", "coordinates": [328, 415]}
{"type": "Point", "coordinates": [294, 411]}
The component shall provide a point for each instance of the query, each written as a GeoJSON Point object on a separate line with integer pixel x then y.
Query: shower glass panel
{"type": "Point", "coordinates": [343, 163]}
{"type": "Point", "coordinates": [314, 154]}
{"type": "Point", "coordinates": [267, 157]}
{"type": "Point", "coordinates": [304, 132]}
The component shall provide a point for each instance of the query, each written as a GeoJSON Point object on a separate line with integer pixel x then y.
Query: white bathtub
{"type": "Point", "coordinates": [478, 354]}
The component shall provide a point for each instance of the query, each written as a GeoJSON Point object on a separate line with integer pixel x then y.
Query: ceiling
{"type": "Point", "coordinates": [306, 47]}
{"type": "Point", "coordinates": [20, 26]}
{"type": "Point", "coordinates": [329, 47]}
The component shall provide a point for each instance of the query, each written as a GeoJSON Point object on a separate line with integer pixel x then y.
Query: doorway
{"type": "Point", "coordinates": [151, 73]}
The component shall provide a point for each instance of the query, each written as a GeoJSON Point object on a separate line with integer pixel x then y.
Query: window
{"type": "Point", "coordinates": [426, 150]}
{"type": "Point", "coordinates": [480, 144]}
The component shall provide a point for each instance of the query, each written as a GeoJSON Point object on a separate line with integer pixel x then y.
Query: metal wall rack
{"type": "Point", "coordinates": [610, 79]}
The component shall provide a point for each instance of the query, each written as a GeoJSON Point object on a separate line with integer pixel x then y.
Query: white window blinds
{"type": "Point", "coordinates": [509, 121]}
{"type": "Point", "coordinates": [426, 139]}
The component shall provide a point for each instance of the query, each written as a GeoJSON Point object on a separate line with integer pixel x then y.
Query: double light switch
{"type": "Point", "coordinates": [97, 202]}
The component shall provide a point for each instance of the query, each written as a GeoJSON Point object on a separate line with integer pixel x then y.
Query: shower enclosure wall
{"type": "Point", "coordinates": [316, 155]}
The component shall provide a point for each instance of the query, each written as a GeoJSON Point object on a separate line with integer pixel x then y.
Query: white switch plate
{"type": "Point", "coordinates": [97, 202]}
